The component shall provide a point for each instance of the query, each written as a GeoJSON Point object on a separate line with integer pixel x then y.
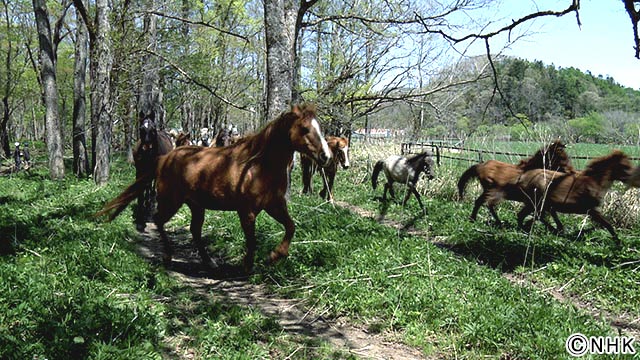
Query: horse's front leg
{"type": "Point", "coordinates": [248, 223]}
{"type": "Point", "coordinates": [280, 213]}
{"type": "Point", "coordinates": [599, 219]}
{"type": "Point", "coordinates": [415, 192]}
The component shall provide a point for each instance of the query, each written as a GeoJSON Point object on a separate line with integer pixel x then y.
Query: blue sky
{"type": "Point", "coordinates": [603, 45]}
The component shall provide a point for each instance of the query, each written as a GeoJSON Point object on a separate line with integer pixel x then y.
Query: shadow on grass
{"type": "Point", "coordinates": [506, 249]}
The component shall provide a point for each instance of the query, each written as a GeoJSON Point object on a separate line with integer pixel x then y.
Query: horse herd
{"type": "Point", "coordinates": [253, 174]}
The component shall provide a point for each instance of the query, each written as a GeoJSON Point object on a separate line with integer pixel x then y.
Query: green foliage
{"type": "Point", "coordinates": [548, 95]}
{"type": "Point", "coordinates": [588, 127]}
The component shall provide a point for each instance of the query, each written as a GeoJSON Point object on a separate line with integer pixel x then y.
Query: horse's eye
{"type": "Point", "coordinates": [305, 130]}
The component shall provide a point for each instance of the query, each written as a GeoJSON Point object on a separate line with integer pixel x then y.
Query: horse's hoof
{"type": "Point", "coordinates": [274, 257]}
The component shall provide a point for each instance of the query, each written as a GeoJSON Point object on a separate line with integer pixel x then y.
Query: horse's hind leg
{"type": "Point", "coordinates": [280, 213]}
{"type": "Point", "coordinates": [476, 207]}
{"type": "Point", "coordinates": [248, 222]}
{"type": "Point", "coordinates": [165, 211]}
{"type": "Point", "coordinates": [526, 210]}
{"type": "Point", "coordinates": [389, 185]}
{"type": "Point", "coordinates": [197, 219]}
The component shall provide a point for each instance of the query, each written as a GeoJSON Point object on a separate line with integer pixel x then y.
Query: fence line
{"type": "Point", "coordinates": [408, 148]}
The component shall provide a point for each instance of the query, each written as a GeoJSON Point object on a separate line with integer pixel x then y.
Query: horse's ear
{"type": "Point", "coordinates": [295, 108]}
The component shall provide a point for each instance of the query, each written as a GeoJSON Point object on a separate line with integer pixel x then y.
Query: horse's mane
{"type": "Point", "coordinates": [255, 143]}
{"type": "Point", "coordinates": [418, 157]}
{"type": "Point", "coordinates": [551, 157]}
{"type": "Point", "coordinates": [600, 164]}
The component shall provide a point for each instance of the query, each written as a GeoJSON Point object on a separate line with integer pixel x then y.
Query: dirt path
{"type": "Point", "coordinates": [623, 324]}
{"type": "Point", "coordinates": [290, 314]}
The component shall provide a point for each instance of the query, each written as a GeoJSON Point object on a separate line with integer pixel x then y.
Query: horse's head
{"type": "Point", "coordinates": [423, 163]}
{"type": "Point", "coordinates": [634, 179]}
{"type": "Point", "coordinates": [615, 166]}
{"type": "Point", "coordinates": [621, 166]}
{"type": "Point", "coordinates": [148, 132]}
{"type": "Point", "coordinates": [183, 139]}
{"type": "Point", "coordinates": [552, 157]}
{"type": "Point", "coordinates": [340, 148]}
{"type": "Point", "coordinates": [427, 167]}
{"type": "Point", "coordinates": [306, 137]}
{"type": "Point", "coordinates": [556, 157]}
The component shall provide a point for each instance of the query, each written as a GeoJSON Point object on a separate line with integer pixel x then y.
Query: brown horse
{"type": "Point", "coordinates": [152, 144]}
{"type": "Point", "coordinates": [183, 139]}
{"type": "Point", "coordinates": [576, 193]}
{"type": "Point", "coordinates": [339, 147]}
{"type": "Point", "coordinates": [497, 177]}
{"type": "Point", "coordinates": [247, 177]}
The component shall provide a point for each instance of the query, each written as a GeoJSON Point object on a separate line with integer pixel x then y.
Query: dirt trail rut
{"type": "Point", "coordinates": [289, 313]}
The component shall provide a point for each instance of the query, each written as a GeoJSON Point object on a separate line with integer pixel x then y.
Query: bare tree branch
{"type": "Point", "coordinates": [192, 22]}
{"type": "Point", "coordinates": [197, 82]}
{"type": "Point", "coordinates": [634, 15]}
{"type": "Point", "coordinates": [574, 7]}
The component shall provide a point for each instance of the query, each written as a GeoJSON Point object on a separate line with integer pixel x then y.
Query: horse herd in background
{"type": "Point", "coordinates": [252, 173]}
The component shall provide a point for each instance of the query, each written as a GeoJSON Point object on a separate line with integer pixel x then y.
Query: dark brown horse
{"type": "Point", "coordinates": [576, 193]}
{"type": "Point", "coordinates": [339, 147]}
{"type": "Point", "coordinates": [151, 144]}
{"type": "Point", "coordinates": [246, 177]}
{"type": "Point", "coordinates": [497, 177]}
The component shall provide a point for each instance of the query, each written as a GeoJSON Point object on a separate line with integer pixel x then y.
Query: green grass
{"type": "Point", "coordinates": [73, 286]}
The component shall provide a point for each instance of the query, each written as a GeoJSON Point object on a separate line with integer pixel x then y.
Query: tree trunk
{"type": "Point", "coordinates": [280, 18]}
{"type": "Point", "coordinates": [101, 62]}
{"type": "Point", "coordinates": [151, 95]}
{"type": "Point", "coordinates": [49, 89]}
{"type": "Point", "coordinates": [4, 133]}
{"type": "Point", "coordinates": [6, 113]}
{"type": "Point", "coordinates": [80, 159]}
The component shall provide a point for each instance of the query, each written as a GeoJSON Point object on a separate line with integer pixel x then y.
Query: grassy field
{"type": "Point", "coordinates": [73, 286]}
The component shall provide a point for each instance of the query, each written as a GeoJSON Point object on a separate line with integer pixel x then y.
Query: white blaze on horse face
{"type": "Point", "coordinates": [325, 146]}
{"type": "Point", "coordinates": [345, 151]}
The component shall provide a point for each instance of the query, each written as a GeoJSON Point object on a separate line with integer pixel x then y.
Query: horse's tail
{"type": "Point", "coordinates": [376, 170]}
{"type": "Point", "coordinates": [114, 207]}
{"type": "Point", "coordinates": [470, 173]}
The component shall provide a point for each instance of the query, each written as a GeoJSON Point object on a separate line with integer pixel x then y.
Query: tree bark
{"type": "Point", "coordinates": [49, 89]}
{"type": "Point", "coordinates": [101, 63]}
{"type": "Point", "coordinates": [280, 18]}
{"type": "Point", "coordinates": [151, 94]}
{"type": "Point", "coordinates": [80, 158]}
{"type": "Point", "coordinates": [6, 113]}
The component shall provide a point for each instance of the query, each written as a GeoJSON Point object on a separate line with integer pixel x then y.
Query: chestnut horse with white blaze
{"type": "Point", "coordinates": [246, 177]}
{"type": "Point", "coordinates": [339, 147]}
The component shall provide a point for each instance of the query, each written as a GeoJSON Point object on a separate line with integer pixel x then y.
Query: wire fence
{"type": "Point", "coordinates": [443, 150]}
